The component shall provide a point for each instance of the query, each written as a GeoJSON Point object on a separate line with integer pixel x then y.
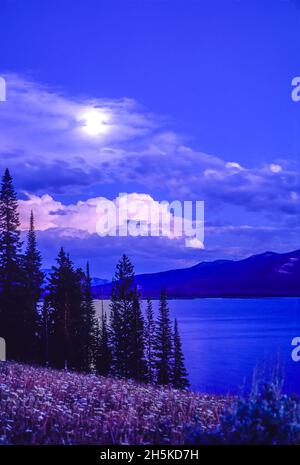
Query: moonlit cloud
{"type": "Point", "coordinates": [53, 143]}
{"type": "Point", "coordinates": [147, 216]}
{"type": "Point", "coordinates": [72, 138]}
{"type": "Point", "coordinates": [233, 164]}
{"type": "Point", "coordinates": [57, 145]}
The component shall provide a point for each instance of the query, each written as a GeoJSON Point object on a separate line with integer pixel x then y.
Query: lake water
{"type": "Point", "coordinates": [224, 340]}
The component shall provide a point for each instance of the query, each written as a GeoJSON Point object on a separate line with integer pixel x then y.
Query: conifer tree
{"type": "Point", "coordinates": [65, 294]}
{"type": "Point", "coordinates": [11, 317]}
{"type": "Point", "coordinates": [149, 341]}
{"type": "Point", "coordinates": [103, 353]}
{"type": "Point", "coordinates": [163, 343]}
{"type": "Point", "coordinates": [137, 366]}
{"type": "Point", "coordinates": [89, 323]}
{"type": "Point", "coordinates": [46, 330]}
{"type": "Point", "coordinates": [121, 312]}
{"type": "Point", "coordinates": [179, 373]}
{"type": "Point", "coordinates": [33, 280]}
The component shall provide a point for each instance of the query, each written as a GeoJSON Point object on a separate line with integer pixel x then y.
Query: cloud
{"type": "Point", "coordinates": [58, 146]}
{"type": "Point", "coordinates": [134, 214]}
{"type": "Point", "coordinates": [50, 133]}
{"type": "Point", "coordinates": [160, 253]}
{"type": "Point", "coordinates": [74, 227]}
{"type": "Point", "coordinates": [147, 254]}
{"type": "Point", "coordinates": [52, 145]}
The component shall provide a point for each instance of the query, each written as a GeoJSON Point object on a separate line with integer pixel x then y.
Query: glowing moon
{"type": "Point", "coordinates": [94, 122]}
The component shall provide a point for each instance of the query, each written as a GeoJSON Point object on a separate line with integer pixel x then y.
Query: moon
{"type": "Point", "coordinates": [94, 122]}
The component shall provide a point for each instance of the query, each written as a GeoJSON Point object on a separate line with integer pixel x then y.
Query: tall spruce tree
{"type": "Point", "coordinates": [89, 329]}
{"type": "Point", "coordinates": [179, 373]}
{"type": "Point", "coordinates": [149, 341]}
{"type": "Point", "coordinates": [163, 343]}
{"type": "Point", "coordinates": [33, 280]}
{"type": "Point", "coordinates": [46, 331]}
{"type": "Point", "coordinates": [136, 336]}
{"type": "Point", "coordinates": [65, 295]}
{"type": "Point", "coordinates": [11, 315]}
{"type": "Point", "coordinates": [103, 353]}
{"type": "Point", "coordinates": [121, 313]}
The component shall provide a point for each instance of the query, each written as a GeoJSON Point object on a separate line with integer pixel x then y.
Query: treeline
{"type": "Point", "coordinates": [53, 321]}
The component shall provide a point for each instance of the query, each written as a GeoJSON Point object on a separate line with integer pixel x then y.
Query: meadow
{"type": "Point", "coordinates": [46, 406]}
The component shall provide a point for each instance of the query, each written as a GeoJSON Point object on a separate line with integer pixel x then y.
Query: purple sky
{"type": "Point", "coordinates": [172, 100]}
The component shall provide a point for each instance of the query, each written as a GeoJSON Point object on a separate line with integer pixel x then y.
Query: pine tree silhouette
{"type": "Point", "coordinates": [121, 312]}
{"type": "Point", "coordinates": [103, 354]}
{"type": "Point", "coordinates": [179, 373]}
{"type": "Point", "coordinates": [11, 315]}
{"type": "Point", "coordinates": [149, 341]}
{"type": "Point", "coordinates": [163, 343]}
{"type": "Point", "coordinates": [46, 330]}
{"type": "Point", "coordinates": [65, 295]}
{"type": "Point", "coordinates": [137, 366]}
{"type": "Point", "coordinates": [88, 342]}
{"type": "Point", "coordinates": [33, 280]}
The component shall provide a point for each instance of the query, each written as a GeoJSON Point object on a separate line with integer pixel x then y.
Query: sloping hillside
{"type": "Point", "coordinates": [43, 406]}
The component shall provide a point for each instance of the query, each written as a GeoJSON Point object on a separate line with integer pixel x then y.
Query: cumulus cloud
{"type": "Point", "coordinates": [74, 227]}
{"type": "Point", "coordinates": [130, 215]}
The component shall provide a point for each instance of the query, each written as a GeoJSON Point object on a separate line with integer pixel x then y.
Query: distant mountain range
{"type": "Point", "coordinates": [94, 281]}
{"type": "Point", "coordinates": [264, 275]}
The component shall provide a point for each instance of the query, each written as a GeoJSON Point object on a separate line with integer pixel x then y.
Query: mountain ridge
{"type": "Point", "coordinates": [269, 274]}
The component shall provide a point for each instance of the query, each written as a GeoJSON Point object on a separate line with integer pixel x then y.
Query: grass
{"type": "Point", "coordinates": [46, 406]}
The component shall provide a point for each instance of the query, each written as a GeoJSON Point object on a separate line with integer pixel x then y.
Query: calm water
{"type": "Point", "coordinates": [225, 339]}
